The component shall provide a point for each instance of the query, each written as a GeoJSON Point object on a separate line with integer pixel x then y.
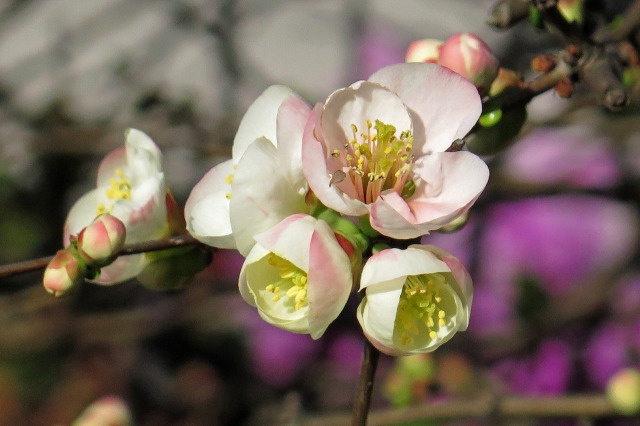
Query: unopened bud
{"type": "Point", "coordinates": [456, 224]}
{"type": "Point", "coordinates": [64, 273]}
{"type": "Point", "coordinates": [506, 78]}
{"type": "Point", "coordinates": [572, 10]}
{"type": "Point", "coordinates": [101, 241]}
{"type": "Point", "coordinates": [564, 88]}
{"type": "Point", "coordinates": [427, 50]}
{"type": "Point", "coordinates": [623, 391]}
{"type": "Point", "coordinates": [470, 57]}
{"type": "Point", "coordinates": [544, 62]}
{"type": "Point", "coordinates": [108, 410]}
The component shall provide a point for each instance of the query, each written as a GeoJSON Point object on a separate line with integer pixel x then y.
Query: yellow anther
{"type": "Point", "coordinates": [228, 195]}
{"type": "Point", "coordinates": [275, 298]}
{"type": "Point", "coordinates": [441, 314]}
{"type": "Point", "coordinates": [369, 125]}
{"type": "Point", "coordinates": [270, 287]}
{"type": "Point", "coordinates": [354, 128]}
{"type": "Point", "coordinates": [229, 179]}
{"type": "Point", "coordinates": [303, 279]}
{"type": "Point", "coordinates": [335, 153]}
{"type": "Point", "coordinates": [433, 334]}
{"type": "Point", "coordinates": [441, 322]}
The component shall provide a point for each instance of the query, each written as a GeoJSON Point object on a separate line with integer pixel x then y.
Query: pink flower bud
{"type": "Point", "coordinates": [623, 391]}
{"type": "Point", "coordinates": [108, 410]}
{"type": "Point", "coordinates": [99, 242]}
{"type": "Point", "coordinates": [470, 57]}
{"type": "Point", "coordinates": [427, 50]}
{"type": "Point", "coordinates": [63, 274]}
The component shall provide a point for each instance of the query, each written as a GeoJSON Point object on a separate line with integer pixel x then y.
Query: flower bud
{"type": "Point", "coordinates": [426, 50]}
{"type": "Point", "coordinates": [99, 242]}
{"type": "Point", "coordinates": [572, 10]}
{"type": "Point", "coordinates": [623, 391]}
{"type": "Point", "coordinates": [470, 57]}
{"type": "Point", "coordinates": [63, 274]}
{"type": "Point", "coordinates": [108, 410]}
{"type": "Point", "coordinates": [506, 78]}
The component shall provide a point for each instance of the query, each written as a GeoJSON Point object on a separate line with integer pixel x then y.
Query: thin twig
{"type": "Point", "coordinates": [365, 385]}
{"type": "Point", "coordinates": [541, 407]}
{"type": "Point", "coordinates": [135, 248]}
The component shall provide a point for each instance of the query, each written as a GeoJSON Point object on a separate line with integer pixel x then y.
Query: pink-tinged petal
{"type": "Point", "coordinates": [390, 264]}
{"type": "Point", "coordinates": [262, 194]}
{"type": "Point", "coordinates": [207, 208]}
{"type": "Point", "coordinates": [260, 119]}
{"type": "Point", "coordinates": [116, 159]}
{"type": "Point", "coordinates": [444, 105]}
{"type": "Point", "coordinates": [291, 121]}
{"type": "Point", "coordinates": [290, 239]}
{"type": "Point", "coordinates": [319, 165]}
{"type": "Point", "coordinates": [355, 105]}
{"type": "Point", "coordinates": [329, 279]}
{"type": "Point", "coordinates": [447, 184]}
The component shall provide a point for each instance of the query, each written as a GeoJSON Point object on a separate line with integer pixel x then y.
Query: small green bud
{"type": "Point", "coordinates": [491, 140]}
{"type": "Point", "coordinates": [491, 118]}
{"type": "Point", "coordinates": [535, 17]}
{"type": "Point", "coordinates": [379, 247]}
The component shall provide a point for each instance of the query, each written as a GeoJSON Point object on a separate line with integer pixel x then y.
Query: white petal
{"type": "Point", "coordinates": [379, 314]}
{"type": "Point", "coordinates": [260, 119]}
{"type": "Point", "coordinates": [262, 194]}
{"type": "Point", "coordinates": [207, 208]}
{"type": "Point", "coordinates": [290, 239]}
{"type": "Point", "coordinates": [143, 155]}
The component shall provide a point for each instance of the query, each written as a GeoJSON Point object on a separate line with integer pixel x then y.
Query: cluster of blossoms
{"type": "Point", "coordinates": [130, 204]}
{"type": "Point", "coordinates": [318, 200]}
{"type": "Point", "coordinates": [312, 192]}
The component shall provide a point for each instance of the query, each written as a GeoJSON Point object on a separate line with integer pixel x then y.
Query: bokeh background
{"type": "Point", "coordinates": [552, 244]}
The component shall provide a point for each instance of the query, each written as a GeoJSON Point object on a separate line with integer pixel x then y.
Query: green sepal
{"type": "Point", "coordinates": [346, 228]}
{"type": "Point", "coordinates": [379, 247]}
{"type": "Point", "coordinates": [366, 228]}
{"type": "Point", "coordinates": [173, 269]}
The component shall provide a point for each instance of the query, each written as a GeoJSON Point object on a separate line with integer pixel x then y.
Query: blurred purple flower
{"type": "Point", "coordinates": [345, 354]}
{"type": "Point", "coordinates": [560, 240]}
{"type": "Point", "coordinates": [458, 243]}
{"type": "Point", "coordinates": [625, 300]}
{"type": "Point", "coordinates": [547, 372]}
{"type": "Point", "coordinates": [570, 156]}
{"type": "Point", "coordinates": [607, 352]}
{"type": "Point", "coordinates": [379, 47]}
{"type": "Point", "coordinates": [278, 355]}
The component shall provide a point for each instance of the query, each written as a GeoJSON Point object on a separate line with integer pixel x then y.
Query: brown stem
{"type": "Point", "coordinates": [135, 248]}
{"type": "Point", "coordinates": [365, 385]}
{"type": "Point", "coordinates": [483, 407]}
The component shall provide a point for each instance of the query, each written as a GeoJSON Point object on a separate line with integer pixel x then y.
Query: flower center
{"type": "Point", "coordinates": [377, 160]}
{"type": "Point", "coordinates": [425, 310]}
{"type": "Point", "coordinates": [119, 189]}
{"type": "Point", "coordinates": [292, 285]}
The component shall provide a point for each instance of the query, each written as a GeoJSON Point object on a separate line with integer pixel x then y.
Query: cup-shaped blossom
{"type": "Point", "coordinates": [416, 299]}
{"type": "Point", "coordinates": [131, 187]}
{"type": "Point", "coordinates": [263, 181]}
{"type": "Point", "coordinates": [426, 50]}
{"type": "Point", "coordinates": [470, 57]}
{"type": "Point", "coordinates": [378, 147]}
{"type": "Point", "coordinates": [297, 275]}
{"type": "Point", "coordinates": [99, 242]}
{"type": "Point", "coordinates": [64, 273]}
